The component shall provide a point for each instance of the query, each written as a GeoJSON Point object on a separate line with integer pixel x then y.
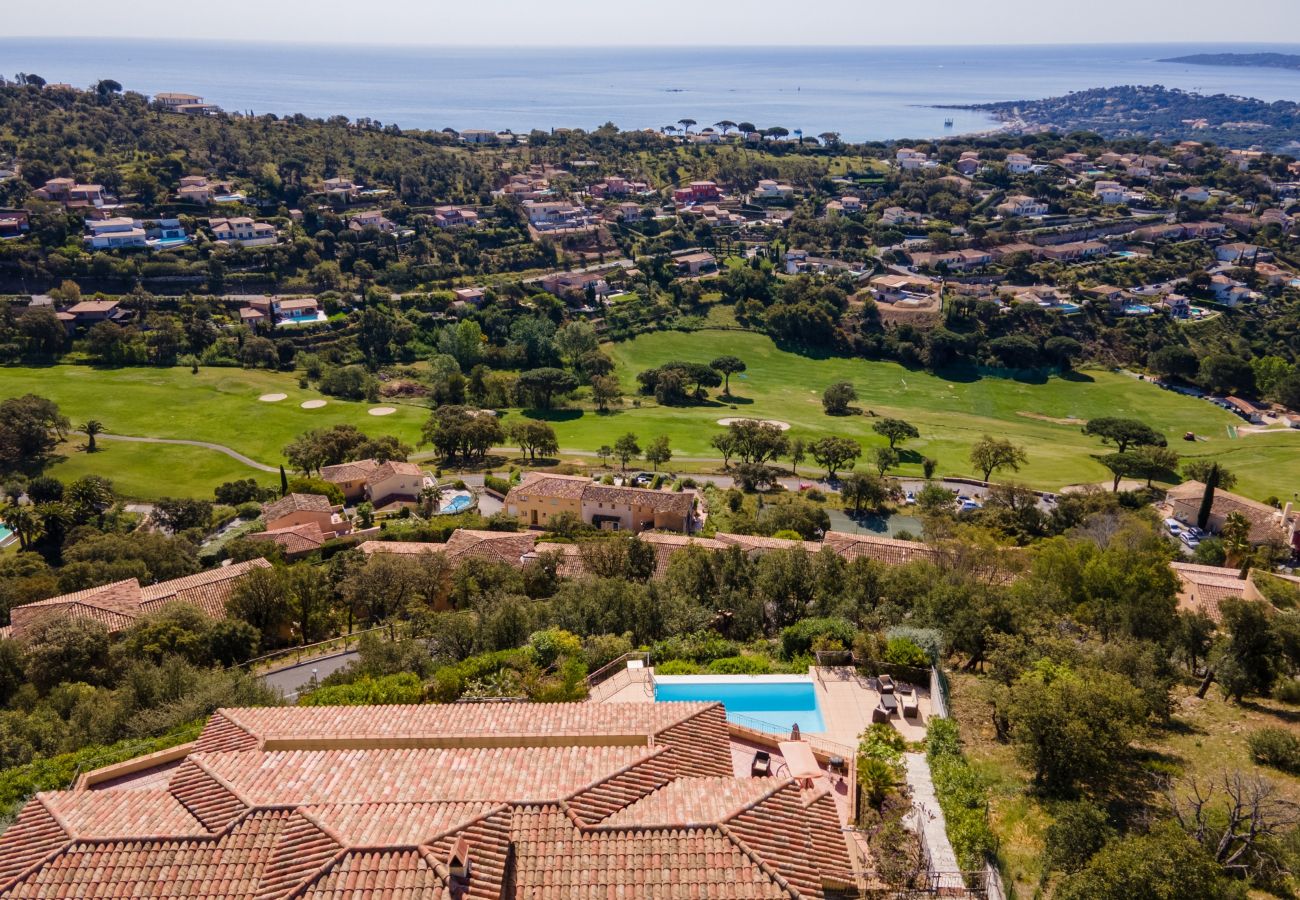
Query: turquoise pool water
{"type": "Point", "coordinates": [4, 532]}
{"type": "Point", "coordinates": [458, 503]}
{"type": "Point", "coordinates": [773, 704]}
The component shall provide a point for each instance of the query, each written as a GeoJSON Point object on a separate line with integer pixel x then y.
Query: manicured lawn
{"type": "Point", "coordinates": [150, 471]}
{"type": "Point", "coordinates": [217, 405]}
{"type": "Point", "coordinates": [951, 415]}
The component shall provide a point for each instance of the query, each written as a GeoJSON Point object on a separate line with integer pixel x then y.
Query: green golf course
{"type": "Point", "coordinates": [221, 406]}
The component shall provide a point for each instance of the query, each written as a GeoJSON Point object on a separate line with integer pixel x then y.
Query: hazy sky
{"type": "Point", "coordinates": [673, 22]}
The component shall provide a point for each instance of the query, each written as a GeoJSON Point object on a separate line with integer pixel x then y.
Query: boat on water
{"type": "Point", "coordinates": [947, 123]}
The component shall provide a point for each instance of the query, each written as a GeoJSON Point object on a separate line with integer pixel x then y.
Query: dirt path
{"type": "Point", "coordinates": [233, 454]}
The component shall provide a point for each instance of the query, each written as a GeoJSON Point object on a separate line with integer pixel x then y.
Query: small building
{"type": "Point", "coordinates": [695, 263]}
{"type": "Point", "coordinates": [454, 217]}
{"type": "Point", "coordinates": [1023, 206]}
{"type": "Point", "coordinates": [244, 231]}
{"type": "Point", "coordinates": [14, 223]}
{"type": "Point", "coordinates": [394, 484]}
{"type": "Point", "coordinates": [372, 219]}
{"type": "Point", "coordinates": [71, 194]}
{"type": "Point", "coordinates": [769, 191]}
{"type": "Point", "coordinates": [697, 192]}
{"type": "Point", "coordinates": [343, 188]}
{"type": "Point", "coordinates": [540, 497]}
{"type": "Point", "coordinates": [474, 296]}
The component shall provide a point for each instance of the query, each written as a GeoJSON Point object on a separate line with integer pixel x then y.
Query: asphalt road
{"type": "Point", "coordinates": [289, 681]}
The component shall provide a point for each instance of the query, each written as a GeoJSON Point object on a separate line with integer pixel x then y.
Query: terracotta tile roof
{"type": "Point", "coordinates": [1265, 521]}
{"type": "Point", "coordinates": [1203, 588]}
{"type": "Point", "coordinates": [678, 502]}
{"type": "Point", "coordinates": [292, 503]}
{"type": "Point", "coordinates": [566, 487]}
{"type": "Point", "coordinates": [606, 800]}
{"type": "Point", "coordinates": [348, 471]}
{"type": "Point", "coordinates": [119, 604]}
{"type": "Point", "coordinates": [295, 540]}
{"type": "Point", "coordinates": [757, 543]}
{"type": "Point", "coordinates": [502, 546]}
{"type": "Point", "coordinates": [882, 549]}
{"type": "Point", "coordinates": [389, 469]}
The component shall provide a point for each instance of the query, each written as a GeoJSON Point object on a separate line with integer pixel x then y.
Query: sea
{"type": "Point", "coordinates": [861, 93]}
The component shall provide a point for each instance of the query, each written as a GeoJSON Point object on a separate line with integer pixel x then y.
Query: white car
{"type": "Point", "coordinates": [1189, 541]}
{"type": "Point", "coordinates": [1175, 527]}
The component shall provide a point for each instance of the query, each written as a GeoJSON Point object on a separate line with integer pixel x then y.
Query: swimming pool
{"type": "Point", "coordinates": [458, 503]}
{"type": "Point", "coordinates": [6, 535]}
{"type": "Point", "coordinates": [1138, 309]}
{"type": "Point", "coordinates": [774, 703]}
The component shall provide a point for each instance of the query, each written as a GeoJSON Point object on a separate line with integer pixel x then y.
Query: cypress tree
{"type": "Point", "coordinates": [1207, 500]}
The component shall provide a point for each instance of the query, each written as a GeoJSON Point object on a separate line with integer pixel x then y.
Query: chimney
{"type": "Point", "coordinates": [459, 867]}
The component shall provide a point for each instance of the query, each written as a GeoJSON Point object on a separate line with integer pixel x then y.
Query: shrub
{"type": "Point", "coordinates": [903, 651]}
{"type": "Point", "coordinates": [883, 741]}
{"type": "Point", "coordinates": [942, 739]}
{"type": "Point", "coordinates": [493, 483]}
{"type": "Point", "coordinates": [1287, 690]}
{"type": "Point", "coordinates": [550, 644]}
{"type": "Point", "coordinates": [701, 646]}
{"type": "Point", "coordinates": [929, 640]}
{"type": "Point", "coordinates": [365, 691]}
{"type": "Point", "coordinates": [962, 795]}
{"type": "Point", "coordinates": [740, 665]}
{"type": "Point", "coordinates": [677, 667]}
{"type": "Point", "coordinates": [1275, 747]}
{"type": "Point", "coordinates": [1080, 830]}
{"type": "Point", "coordinates": [798, 638]}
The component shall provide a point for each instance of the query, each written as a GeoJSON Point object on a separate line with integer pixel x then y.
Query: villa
{"type": "Point", "coordinates": [575, 284]}
{"type": "Point", "coordinates": [540, 497]}
{"type": "Point", "coordinates": [545, 800]}
{"type": "Point", "coordinates": [1267, 524]}
{"type": "Point", "coordinates": [387, 484]}
{"type": "Point", "coordinates": [1073, 251]}
{"type": "Point", "coordinates": [14, 223]}
{"type": "Point", "coordinates": [243, 231]}
{"type": "Point", "coordinates": [769, 191]}
{"type": "Point", "coordinates": [121, 232]}
{"type": "Point", "coordinates": [188, 104]}
{"type": "Point", "coordinates": [454, 217]}
{"type": "Point", "coordinates": [71, 194]}
{"type": "Point", "coordinates": [695, 263]}
{"type": "Point", "coordinates": [1203, 588]}
{"type": "Point", "coordinates": [340, 187]}
{"type": "Point", "coordinates": [1018, 163]}
{"type": "Point", "coordinates": [617, 186]}
{"type": "Point", "coordinates": [697, 192]}
{"type": "Point", "coordinates": [473, 296]}
{"type": "Point", "coordinates": [372, 219]}
{"type": "Point", "coordinates": [896, 215]}
{"type": "Point", "coordinates": [299, 509]}
{"type": "Point", "coordinates": [119, 605]}
{"type": "Point", "coordinates": [1023, 206]}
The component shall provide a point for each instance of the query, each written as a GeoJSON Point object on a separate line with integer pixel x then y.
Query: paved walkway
{"type": "Point", "coordinates": [293, 678]}
{"type": "Point", "coordinates": [929, 818]}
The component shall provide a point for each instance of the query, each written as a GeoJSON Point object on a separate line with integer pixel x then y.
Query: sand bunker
{"type": "Point", "coordinates": [382, 410]}
{"type": "Point", "coordinates": [273, 398]}
{"type": "Point", "coordinates": [784, 426]}
{"type": "Point", "coordinates": [312, 404]}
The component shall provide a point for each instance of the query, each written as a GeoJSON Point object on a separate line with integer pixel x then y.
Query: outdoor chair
{"type": "Point", "coordinates": [879, 714]}
{"type": "Point", "coordinates": [886, 684]}
{"type": "Point", "coordinates": [911, 707]}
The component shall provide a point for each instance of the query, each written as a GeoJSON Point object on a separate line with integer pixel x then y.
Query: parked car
{"type": "Point", "coordinates": [909, 499]}
{"type": "Point", "coordinates": [1175, 527]}
{"type": "Point", "coordinates": [1190, 542]}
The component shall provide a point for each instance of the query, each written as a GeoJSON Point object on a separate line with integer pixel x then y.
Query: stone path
{"type": "Point", "coordinates": [929, 819]}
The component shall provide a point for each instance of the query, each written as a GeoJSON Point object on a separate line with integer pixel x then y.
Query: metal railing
{"type": "Point", "coordinates": [612, 667]}
{"type": "Point", "coordinates": [938, 694]}
{"type": "Point", "coordinates": [779, 732]}
{"type": "Point", "coordinates": [302, 652]}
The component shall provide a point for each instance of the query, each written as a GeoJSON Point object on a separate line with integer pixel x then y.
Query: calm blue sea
{"type": "Point", "coordinates": [864, 93]}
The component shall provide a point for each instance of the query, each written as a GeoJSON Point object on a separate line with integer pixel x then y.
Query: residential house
{"type": "Point", "coordinates": [695, 263]}
{"type": "Point", "coordinates": [618, 186]}
{"type": "Point", "coordinates": [1242, 222]}
{"type": "Point", "coordinates": [1002, 251]}
{"type": "Point", "coordinates": [896, 288]}
{"type": "Point", "coordinates": [969, 163]}
{"type": "Point", "coordinates": [1023, 206]}
{"type": "Point", "coordinates": [350, 478]}
{"type": "Point", "coordinates": [553, 215]}
{"type": "Point", "coordinates": [1274, 275]}
{"type": "Point", "coordinates": [909, 159]}
{"type": "Point", "coordinates": [296, 309]}
{"type": "Point", "coordinates": [195, 189]}
{"type": "Point", "coordinates": [71, 194]}
{"type": "Point", "coordinates": [769, 191]}
{"type": "Point", "coordinates": [575, 284]}
{"type": "Point", "coordinates": [1241, 254]}
{"type": "Point", "coordinates": [299, 509]}
{"type": "Point", "coordinates": [343, 188]}
{"type": "Point", "coordinates": [1243, 159]}
{"type": "Point", "coordinates": [1164, 232]}
{"type": "Point", "coordinates": [1195, 194]}
{"type": "Point", "coordinates": [372, 219]}
{"type": "Point", "coordinates": [243, 231]}
{"type": "Point", "coordinates": [697, 192]}
{"type": "Point", "coordinates": [1110, 192]}
{"type": "Point", "coordinates": [628, 212]}
{"type": "Point", "coordinates": [88, 313]}
{"type": "Point", "coordinates": [846, 204]}
{"type": "Point", "coordinates": [540, 497]}
{"type": "Point", "coordinates": [474, 296]}
{"type": "Point", "coordinates": [1018, 163]}
{"type": "Point", "coordinates": [14, 223]}
{"type": "Point", "coordinates": [294, 542]}
{"type": "Point", "coordinates": [1228, 291]}
{"type": "Point", "coordinates": [394, 484]}
{"type": "Point", "coordinates": [115, 234]}
{"type": "Point", "coordinates": [1267, 524]}
{"type": "Point", "coordinates": [897, 216]}
{"type": "Point", "coordinates": [474, 800]}
{"type": "Point", "coordinates": [121, 604]}
{"type": "Point", "coordinates": [455, 217]}
{"type": "Point", "coordinates": [1073, 251]}
{"type": "Point", "coordinates": [1204, 230]}
{"type": "Point", "coordinates": [480, 136]}
{"type": "Point", "coordinates": [188, 104]}
{"type": "Point", "coordinates": [1176, 305]}
{"type": "Point", "coordinates": [1106, 294]}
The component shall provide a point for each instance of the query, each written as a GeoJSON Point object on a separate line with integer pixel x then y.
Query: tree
{"type": "Point", "coordinates": [991, 454]}
{"type": "Point", "coordinates": [1156, 462]}
{"type": "Point", "coordinates": [1212, 478]}
{"type": "Point", "coordinates": [574, 339]}
{"type": "Point", "coordinates": [1226, 373]}
{"type": "Point", "coordinates": [606, 392]}
{"type": "Point", "coordinates": [884, 459]}
{"type": "Point", "coordinates": [724, 443]}
{"type": "Point", "coordinates": [1174, 361]}
{"type": "Point", "coordinates": [309, 595]}
{"type": "Point", "coordinates": [261, 598]}
{"type": "Point", "coordinates": [1247, 660]}
{"type": "Point", "coordinates": [626, 448]}
{"type": "Point", "coordinates": [1201, 470]}
{"type": "Point", "coordinates": [895, 431]}
{"type": "Point", "coordinates": [25, 522]}
{"type": "Point", "coordinates": [65, 649]}
{"type": "Point", "coordinates": [1235, 534]}
{"type": "Point", "coordinates": [686, 124]}
{"type": "Point", "coordinates": [1162, 865]}
{"type": "Point", "coordinates": [1070, 727]}
{"type": "Point", "coordinates": [798, 453]}
{"type": "Point", "coordinates": [658, 452]}
{"type": "Point", "coordinates": [837, 397]}
{"type": "Point", "coordinates": [1237, 819]}
{"type": "Point", "coordinates": [832, 453]}
{"type": "Point", "coordinates": [603, 453]}
{"type": "Point", "coordinates": [861, 490]}
{"type": "Point", "coordinates": [178, 514]}
{"type": "Point", "coordinates": [534, 437]}
{"type": "Point", "coordinates": [1124, 433]}
{"type": "Point", "coordinates": [1121, 465]}
{"type": "Point", "coordinates": [30, 428]}
{"type": "Point", "coordinates": [928, 467]}
{"type": "Point", "coordinates": [728, 366]}
{"type": "Point", "coordinates": [541, 385]}
{"type": "Point", "coordinates": [1074, 837]}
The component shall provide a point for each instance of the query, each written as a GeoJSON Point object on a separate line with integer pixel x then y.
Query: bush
{"type": "Point", "coordinates": [493, 483]}
{"type": "Point", "coordinates": [678, 667]}
{"type": "Point", "coordinates": [740, 665]}
{"type": "Point", "coordinates": [248, 511]}
{"type": "Point", "coordinates": [942, 738]}
{"type": "Point", "coordinates": [1287, 690]}
{"type": "Point", "coordinates": [929, 640]}
{"type": "Point", "coordinates": [389, 689]}
{"type": "Point", "coordinates": [1275, 747]}
{"type": "Point", "coordinates": [798, 639]}
{"type": "Point", "coordinates": [903, 651]}
{"type": "Point", "coordinates": [701, 646]}
{"type": "Point", "coordinates": [883, 741]}
{"type": "Point", "coordinates": [1080, 830]}
{"type": "Point", "coordinates": [962, 795]}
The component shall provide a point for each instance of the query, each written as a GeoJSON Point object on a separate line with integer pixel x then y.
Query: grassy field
{"type": "Point", "coordinates": [221, 406]}
{"type": "Point", "coordinates": [1204, 738]}
{"type": "Point", "coordinates": [951, 415]}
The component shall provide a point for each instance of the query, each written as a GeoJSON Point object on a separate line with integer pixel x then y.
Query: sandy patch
{"type": "Point", "coordinates": [1069, 420]}
{"type": "Point", "coordinates": [312, 404]}
{"type": "Point", "coordinates": [382, 410]}
{"type": "Point", "coordinates": [273, 398]}
{"type": "Point", "coordinates": [784, 426]}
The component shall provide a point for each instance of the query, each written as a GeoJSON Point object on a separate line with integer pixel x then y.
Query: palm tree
{"type": "Point", "coordinates": [90, 497]}
{"type": "Point", "coordinates": [91, 428]}
{"type": "Point", "coordinates": [686, 124]}
{"type": "Point", "coordinates": [430, 500]}
{"type": "Point", "coordinates": [876, 778]}
{"type": "Point", "coordinates": [1236, 537]}
{"type": "Point", "coordinates": [25, 522]}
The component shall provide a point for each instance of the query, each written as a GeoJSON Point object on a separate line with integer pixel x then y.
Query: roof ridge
{"type": "Point", "coordinates": [655, 752]}
{"type": "Point", "coordinates": [762, 798]}
{"type": "Point", "coordinates": [766, 867]}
